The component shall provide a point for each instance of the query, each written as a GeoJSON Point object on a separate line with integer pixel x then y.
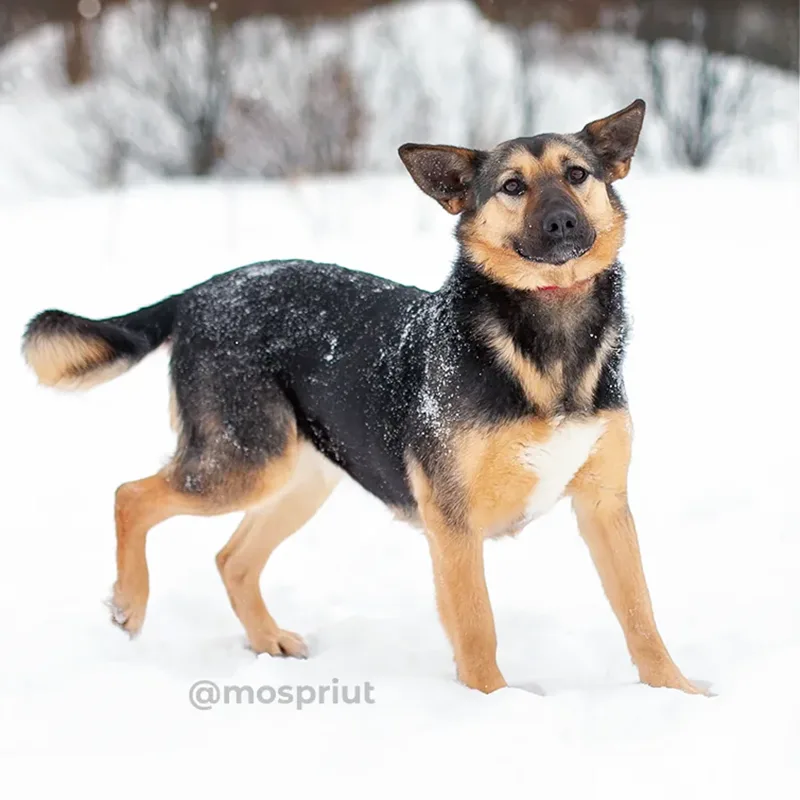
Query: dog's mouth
{"type": "Point", "coordinates": [557, 257]}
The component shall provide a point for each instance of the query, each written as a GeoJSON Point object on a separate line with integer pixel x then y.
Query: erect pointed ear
{"type": "Point", "coordinates": [614, 139]}
{"type": "Point", "coordinates": [445, 173]}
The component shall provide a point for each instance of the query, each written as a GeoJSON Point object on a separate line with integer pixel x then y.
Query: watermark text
{"type": "Point", "coordinates": [205, 694]}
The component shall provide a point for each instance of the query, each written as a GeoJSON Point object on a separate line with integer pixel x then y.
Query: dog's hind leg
{"type": "Point", "coordinates": [244, 557]}
{"type": "Point", "coordinates": [210, 482]}
{"type": "Point", "coordinates": [138, 506]}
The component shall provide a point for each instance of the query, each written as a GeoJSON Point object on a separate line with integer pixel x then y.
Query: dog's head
{"type": "Point", "coordinates": [540, 211]}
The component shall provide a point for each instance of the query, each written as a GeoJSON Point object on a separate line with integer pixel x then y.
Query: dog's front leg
{"type": "Point", "coordinates": [463, 602]}
{"type": "Point", "coordinates": [600, 501]}
{"type": "Point", "coordinates": [607, 527]}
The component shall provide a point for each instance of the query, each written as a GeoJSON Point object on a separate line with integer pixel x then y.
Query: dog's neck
{"type": "Point", "coordinates": [553, 340]}
{"type": "Point", "coordinates": [549, 309]}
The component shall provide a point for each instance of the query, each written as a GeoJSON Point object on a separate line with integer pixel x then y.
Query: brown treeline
{"type": "Point", "coordinates": [765, 30]}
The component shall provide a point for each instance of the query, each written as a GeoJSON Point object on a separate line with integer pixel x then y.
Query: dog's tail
{"type": "Point", "coordinates": [73, 353]}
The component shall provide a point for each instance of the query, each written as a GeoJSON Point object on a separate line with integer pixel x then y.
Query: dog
{"type": "Point", "coordinates": [469, 411]}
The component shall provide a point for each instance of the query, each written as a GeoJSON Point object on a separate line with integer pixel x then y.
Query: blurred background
{"type": "Point", "coordinates": [96, 93]}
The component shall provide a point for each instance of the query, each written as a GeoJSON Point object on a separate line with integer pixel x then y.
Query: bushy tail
{"type": "Point", "coordinates": [73, 353]}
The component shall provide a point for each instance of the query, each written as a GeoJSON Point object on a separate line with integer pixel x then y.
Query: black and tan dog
{"type": "Point", "coordinates": [469, 411]}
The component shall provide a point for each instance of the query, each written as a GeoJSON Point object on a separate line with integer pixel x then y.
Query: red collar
{"type": "Point", "coordinates": [569, 288]}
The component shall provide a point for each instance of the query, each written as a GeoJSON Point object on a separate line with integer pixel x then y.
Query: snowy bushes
{"type": "Point", "coordinates": [700, 99]}
{"type": "Point", "coordinates": [183, 93]}
{"type": "Point", "coordinates": [164, 76]}
{"type": "Point", "coordinates": [179, 92]}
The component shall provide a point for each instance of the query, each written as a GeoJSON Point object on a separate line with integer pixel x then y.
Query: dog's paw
{"type": "Point", "coordinates": [704, 688]}
{"type": "Point", "coordinates": [280, 643]}
{"type": "Point", "coordinates": [486, 681]}
{"type": "Point", "coordinates": [126, 614]}
{"type": "Point", "coordinates": [674, 680]}
{"type": "Point", "coordinates": [687, 686]}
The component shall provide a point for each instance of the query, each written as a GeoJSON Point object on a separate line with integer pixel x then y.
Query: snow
{"type": "Point", "coordinates": [711, 371]}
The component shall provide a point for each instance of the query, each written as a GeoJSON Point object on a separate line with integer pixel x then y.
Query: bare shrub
{"type": "Point", "coordinates": [701, 98]}
{"type": "Point", "coordinates": [166, 91]}
{"type": "Point", "coordinates": [308, 118]}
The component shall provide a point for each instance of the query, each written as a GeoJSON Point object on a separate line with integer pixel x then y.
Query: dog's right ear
{"type": "Point", "coordinates": [614, 139]}
{"type": "Point", "coordinates": [442, 172]}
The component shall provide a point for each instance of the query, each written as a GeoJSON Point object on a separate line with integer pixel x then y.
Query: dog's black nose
{"type": "Point", "coordinates": [560, 223]}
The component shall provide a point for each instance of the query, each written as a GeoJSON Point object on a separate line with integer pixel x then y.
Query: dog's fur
{"type": "Point", "coordinates": [469, 411]}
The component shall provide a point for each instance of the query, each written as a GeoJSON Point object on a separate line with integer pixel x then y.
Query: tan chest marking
{"type": "Point", "coordinates": [517, 472]}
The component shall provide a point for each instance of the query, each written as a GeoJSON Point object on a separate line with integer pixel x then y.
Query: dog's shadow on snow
{"type": "Point", "coordinates": [530, 687]}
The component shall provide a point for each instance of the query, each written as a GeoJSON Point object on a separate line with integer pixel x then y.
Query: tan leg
{"type": "Point", "coordinates": [140, 505]}
{"type": "Point", "coordinates": [463, 602]}
{"type": "Point", "coordinates": [599, 498]}
{"type": "Point", "coordinates": [243, 558]}
{"type": "Point", "coordinates": [462, 597]}
{"type": "Point", "coordinates": [608, 529]}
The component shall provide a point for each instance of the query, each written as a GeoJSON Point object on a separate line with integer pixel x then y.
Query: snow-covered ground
{"type": "Point", "coordinates": [713, 281]}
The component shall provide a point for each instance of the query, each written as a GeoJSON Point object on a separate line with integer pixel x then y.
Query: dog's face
{"type": "Point", "coordinates": [536, 212]}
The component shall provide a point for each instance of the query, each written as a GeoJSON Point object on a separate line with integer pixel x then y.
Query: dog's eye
{"type": "Point", "coordinates": [513, 186]}
{"type": "Point", "coordinates": [576, 175]}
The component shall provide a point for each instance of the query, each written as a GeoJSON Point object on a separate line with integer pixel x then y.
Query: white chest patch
{"type": "Point", "coordinates": [556, 461]}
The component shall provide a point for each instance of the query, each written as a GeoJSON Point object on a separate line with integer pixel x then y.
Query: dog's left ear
{"type": "Point", "coordinates": [442, 172]}
{"type": "Point", "coordinates": [614, 139]}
